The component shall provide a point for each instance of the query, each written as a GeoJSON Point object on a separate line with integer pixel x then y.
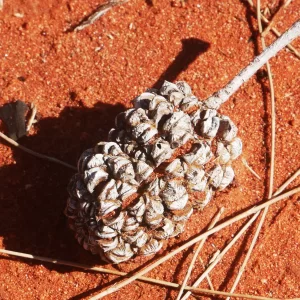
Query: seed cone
{"type": "Point", "coordinates": [132, 192]}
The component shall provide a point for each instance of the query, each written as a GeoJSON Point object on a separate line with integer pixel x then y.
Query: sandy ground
{"type": "Point", "coordinates": [80, 80]}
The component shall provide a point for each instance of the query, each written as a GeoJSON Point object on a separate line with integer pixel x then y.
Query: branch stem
{"type": "Point", "coordinates": [225, 93]}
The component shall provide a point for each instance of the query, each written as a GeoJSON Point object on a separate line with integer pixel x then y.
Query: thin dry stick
{"type": "Point", "coordinates": [200, 237]}
{"type": "Point", "coordinates": [273, 111]}
{"type": "Point", "coordinates": [287, 182]}
{"type": "Point", "coordinates": [32, 117]}
{"type": "Point", "coordinates": [49, 158]}
{"type": "Point", "coordinates": [220, 256]}
{"type": "Point", "coordinates": [226, 92]}
{"type": "Point", "coordinates": [113, 272]}
{"type": "Point", "coordinates": [273, 129]}
{"type": "Point", "coordinates": [207, 277]}
{"type": "Point", "coordinates": [201, 244]}
{"type": "Point", "coordinates": [249, 168]}
{"type": "Point", "coordinates": [101, 10]}
{"type": "Point", "coordinates": [241, 270]}
{"type": "Point", "coordinates": [278, 12]}
{"type": "Point", "coordinates": [273, 29]}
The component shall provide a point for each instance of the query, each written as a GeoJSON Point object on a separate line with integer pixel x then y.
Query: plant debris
{"type": "Point", "coordinates": [13, 115]}
{"type": "Point", "coordinates": [100, 11]}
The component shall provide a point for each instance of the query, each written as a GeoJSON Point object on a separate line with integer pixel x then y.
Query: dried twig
{"type": "Point", "coordinates": [241, 270]}
{"type": "Point", "coordinates": [273, 134]}
{"type": "Point", "coordinates": [49, 158]}
{"type": "Point", "coordinates": [224, 94]}
{"type": "Point", "coordinates": [276, 32]}
{"type": "Point", "coordinates": [118, 273]}
{"type": "Point", "coordinates": [243, 215]}
{"type": "Point", "coordinates": [201, 244]}
{"type": "Point", "coordinates": [287, 182]}
{"type": "Point", "coordinates": [220, 256]}
{"type": "Point", "coordinates": [32, 117]}
{"type": "Point", "coordinates": [273, 111]}
{"type": "Point", "coordinates": [100, 11]}
{"type": "Point", "coordinates": [207, 276]}
{"type": "Point", "coordinates": [249, 168]}
{"type": "Point", "coordinates": [146, 279]}
{"type": "Point", "coordinates": [271, 24]}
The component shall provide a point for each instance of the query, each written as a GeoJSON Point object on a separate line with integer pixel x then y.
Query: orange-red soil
{"type": "Point", "coordinates": [80, 80]}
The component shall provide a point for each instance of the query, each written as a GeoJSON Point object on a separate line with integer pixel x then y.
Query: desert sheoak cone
{"type": "Point", "coordinates": [134, 191]}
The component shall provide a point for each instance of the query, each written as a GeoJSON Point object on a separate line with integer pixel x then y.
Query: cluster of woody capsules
{"type": "Point", "coordinates": [135, 190]}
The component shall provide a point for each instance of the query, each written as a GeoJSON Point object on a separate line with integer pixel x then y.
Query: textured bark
{"type": "Point", "coordinates": [133, 192]}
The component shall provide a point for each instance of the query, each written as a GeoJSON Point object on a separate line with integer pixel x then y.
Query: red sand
{"type": "Point", "coordinates": [81, 80]}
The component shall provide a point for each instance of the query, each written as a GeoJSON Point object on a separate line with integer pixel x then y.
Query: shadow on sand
{"type": "Point", "coordinates": [33, 191]}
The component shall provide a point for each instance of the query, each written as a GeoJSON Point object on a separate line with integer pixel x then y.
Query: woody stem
{"type": "Point", "coordinates": [225, 93]}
